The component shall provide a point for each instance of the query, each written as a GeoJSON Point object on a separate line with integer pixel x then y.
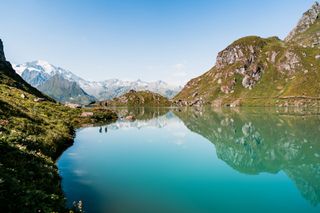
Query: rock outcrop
{"type": "Point", "coordinates": [2, 56]}
{"type": "Point", "coordinates": [244, 57]}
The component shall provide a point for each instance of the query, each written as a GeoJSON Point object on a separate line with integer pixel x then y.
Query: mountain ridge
{"type": "Point", "coordinates": [38, 72]}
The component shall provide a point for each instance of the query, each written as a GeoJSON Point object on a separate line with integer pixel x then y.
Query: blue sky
{"type": "Point", "coordinates": [171, 40]}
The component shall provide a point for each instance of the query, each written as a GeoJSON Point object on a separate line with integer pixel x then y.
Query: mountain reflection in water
{"type": "Point", "coordinates": [197, 160]}
{"type": "Point", "coordinates": [253, 141]}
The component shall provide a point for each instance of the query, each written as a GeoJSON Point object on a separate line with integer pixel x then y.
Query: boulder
{"type": "Point", "coordinates": [86, 114]}
{"type": "Point", "coordinates": [236, 103]}
{"type": "Point", "coordinates": [73, 106]}
{"type": "Point", "coordinates": [4, 122]}
{"type": "Point", "coordinates": [39, 99]}
{"type": "Point", "coordinates": [130, 118]}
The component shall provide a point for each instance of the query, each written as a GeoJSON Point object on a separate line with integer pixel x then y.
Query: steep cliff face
{"type": "Point", "coordinates": [259, 71]}
{"type": "Point", "coordinates": [2, 57]}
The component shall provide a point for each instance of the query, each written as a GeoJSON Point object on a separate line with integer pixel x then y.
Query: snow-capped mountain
{"type": "Point", "coordinates": [38, 72]}
{"type": "Point", "coordinates": [53, 81]}
{"type": "Point", "coordinates": [111, 88]}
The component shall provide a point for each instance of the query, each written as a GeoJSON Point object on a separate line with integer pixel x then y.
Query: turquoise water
{"type": "Point", "coordinates": [252, 160]}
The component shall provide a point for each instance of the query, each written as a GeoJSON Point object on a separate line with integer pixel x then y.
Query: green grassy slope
{"type": "Point", "coordinates": [275, 82]}
{"type": "Point", "coordinates": [32, 135]}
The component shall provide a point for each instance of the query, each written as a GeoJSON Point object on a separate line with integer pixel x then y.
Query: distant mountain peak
{"type": "Point", "coordinates": [308, 19]}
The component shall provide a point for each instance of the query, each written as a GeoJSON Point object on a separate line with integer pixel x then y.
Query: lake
{"type": "Point", "coordinates": [197, 161]}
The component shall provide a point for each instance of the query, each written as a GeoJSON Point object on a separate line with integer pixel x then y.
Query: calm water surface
{"type": "Point", "coordinates": [248, 160]}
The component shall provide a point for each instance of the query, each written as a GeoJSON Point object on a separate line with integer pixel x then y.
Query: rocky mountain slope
{"type": "Point", "coordinates": [307, 33]}
{"type": "Point", "coordinates": [39, 72]}
{"type": "Point", "coordinates": [137, 99]}
{"type": "Point", "coordinates": [34, 130]}
{"type": "Point", "coordinates": [63, 91]}
{"type": "Point", "coordinates": [263, 71]}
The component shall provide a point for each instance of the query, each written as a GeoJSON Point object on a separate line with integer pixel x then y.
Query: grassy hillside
{"type": "Point", "coordinates": [33, 133]}
{"type": "Point", "coordinates": [283, 71]}
{"type": "Point", "coordinates": [258, 71]}
{"type": "Point", "coordinates": [137, 99]}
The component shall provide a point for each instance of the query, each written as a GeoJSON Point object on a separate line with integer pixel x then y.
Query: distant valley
{"type": "Point", "coordinates": [65, 86]}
